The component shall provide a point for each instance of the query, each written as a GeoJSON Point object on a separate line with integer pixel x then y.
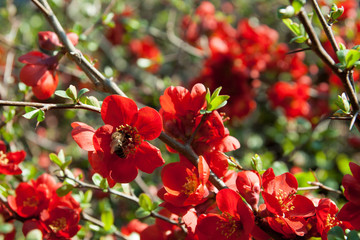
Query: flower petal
{"type": "Point", "coordinates": [83, 135]}
{"type": "Point", "coordinates": [33, 57]}
{"type": "Point", "coordinates": [123, 170]}
{"type": "Point", "coordinates": [16, 157]}
{"type": "Point", "coordinates": [47, 85]}
{"type": "Point", "coordinates": [117, 110]}
{"type": "Point", "coordinates": [227, 201]}
{"type": "Point", "coordinates": [32, 74]}
{"type": "Point", "coordinates": [97, 162]}
{"type": "Point", "coordinates": [148, 157]}
{"type": "Point", "coordinates": [149, 123]}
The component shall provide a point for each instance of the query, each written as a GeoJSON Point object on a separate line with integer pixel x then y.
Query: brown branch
{"type": "Point", "coordinates": [345, 76]}
{"type": "Point", "coordinates": [319, 185]}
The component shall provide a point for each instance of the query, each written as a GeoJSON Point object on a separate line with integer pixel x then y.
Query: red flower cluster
{"type": "Point", "coordinates": [239, 56]}
{"type": "Point", "coordinates": [146, 49]}
{"type": "Point", "coordinates": [117, 150]}
{"type": "Point", "coordinates": [181, 118]}
{"type": "Point", "coordinates": [39, 71]}
{"type": "Point", "coordinates": [9, 161]}
{"type": "Point", "coordinates": [57, 217]}
{"type": "Point", "coordinates": [351, 210]}
{"type": "Point", "coordinates": [116, 33]}
{"type": "Point", "coordinates": [292, 97]}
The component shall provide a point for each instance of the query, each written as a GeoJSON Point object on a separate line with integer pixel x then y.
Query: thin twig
{"type": "Point", "coordinates": [299, 50]}
{"type": "Point", "coordinates": [48, 106]}
{"type": "Point", "coordinates": [99, 223]}
{"type": "Point", "coordinates": [319, 185]}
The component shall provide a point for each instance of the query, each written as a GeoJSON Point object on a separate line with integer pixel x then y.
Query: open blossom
{"type": "Point", "coordinates": [351, 210]}
{"type": "Point", "coordinates": [9, 161]}
{"type": "Point", "coordinates": [184, 185]}
{"type": "Point", "coordinates": [118, 149]}
{"type": "Point", "coordinates": [181, 116]}
{"type": "Point", "coordinates": [235, 222]}
{"type": "Point", "coordinates": [287, 209]}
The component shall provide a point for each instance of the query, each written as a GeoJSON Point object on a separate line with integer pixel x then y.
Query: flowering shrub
{"type": "Point", "coordinates": [215, 76]}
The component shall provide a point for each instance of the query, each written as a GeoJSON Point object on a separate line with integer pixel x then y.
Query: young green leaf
{"type": "Point", "coordinates": [32, 114]}
{"type": "Point", "coordinates": [351, 57]}
{"type": "Point", "coordinates": [107, 217]}
{"type": "Point", "coordinates": [97, 178]}
{"type": "Point", "coordinates": [145, 202]}
{"type": "Point", "coordinates": [62, 94]}
{"type": "Point", "coordinates": [336, 233]}
{"type": "Point", "coordinates": [256, 163]}
{"type": "Point", "coordinates": [54, 158]}
{"type": "Point", "coordinates": [72, 92]}
{"type": "Point", "coordinates": [40, 116]}
{"type": "Point", "coordinates": [82, 92]}
{"type": "Point", "coordinates": [141, 213]}
{"type": "Point", "coordinates": [64, 190]}
{"type": "Point", "coordinates": [286, 12]}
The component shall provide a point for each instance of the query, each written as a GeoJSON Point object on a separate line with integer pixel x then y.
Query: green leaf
{"type": "Point", "coordinates": [72, 92]}
{"type": "Point", "coordinates": [40, 116]}
{"type": "Point", "coordinates": [62, 94]}
{"type": "Point", "coordinates": [256, 163]}
{"type": "Point", "coordinates": [218, 102]}
{"type": "Point", "coordinates": [64, 190]}
{"type": "Point", "coordinates": [141, 213]}
{"type": "Point", "coordinates": [343, 103]}
{"type": "Point", "coordinates": [298, 39]}
{"type": "Point", "coordinates": [207, 96]}
{"type": "Point", "coordinates": [92, 101]}
{"type": "Point", "coordinates": [286, 12]}
{"type": "Point", "coordinates": [32, 114]}
{"type": "Point", "coordinates": [294, 27]}
{"type": "Point", "coordinates": [351, 57]}
{"type": "Point", "coordinates": [145, 202]}
{"type": "Point", "coordinates": [61, 156]}
{"type": "Point", "coordinates": [82, 92]}
{"type": "Point", "coordinates": [215, 94]}
{"type": "Point", "coordinates": [336, 233]}
{"type": "Point", "coordinates": [34, 234]}
{"type": "Point", "coordinates": [66, 164]}
{"type": "Point", "coordinates": [108, 18]}
{"type": "Point", "coordinates": [342, 56]}
{"type": "Point", "coordinates": [97, 178]}
{"type": "Point", "coordinates": [107, 217]}
{"type": "Point", "coordinates": [54, 158]}
{"type": "Point", "coordinates": [297, 5]}
{"type": "Point", "coordinates": [104, 184]}
{"type": "Point", "coordinates": [87, 196]}
{"type": "Point", "coordinates": [353, 235]}
{"type": "Point", "coordinates": [203, 111]}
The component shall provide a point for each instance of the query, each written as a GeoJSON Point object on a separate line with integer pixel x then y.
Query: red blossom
{"type": "Point", "coordinates": [185, 186]}
{"type": "Point", "coordinates": [287, 208]}
{"type": "Point", "coordinates": [235, 222]}
{"type": "Point", "coordinates": [147, 49]}
{"type": "Point", "coordinates": [117, 150]}
{"type": "Point", "coordinates": [39, 73]}
{"type": "Point", "coordinates": [350, 211]}
{"type": "Point", "coordinates": [9, 161]}
{"type": "Point", "coordinates": [249, 185]}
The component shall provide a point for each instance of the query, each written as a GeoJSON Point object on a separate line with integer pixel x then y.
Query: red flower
{"type": "Point", "coordinates": [117, 150]}
{"type": "Point", "coordinates": [9, 161]}
{"type": "Point", "coordinates": [351, 211]}
{"type": "Point", "coordinates": [31, 198]}
{"type": "Point", "coordinates": [147, 49]}
{"type": "Point", "coordinates": [326, 217]}
{"type": "Point", "coordinates": [288, 209]}
{"type": "Point", "coordinates": [185, 186]}
{"type": "Point", "coordinates": [249, 185]}
{"type": "Point", "coordinates": [39, 73]}
{"type": "Point", "coordinates": [133, 226]}
{"type": "Point", "coordinates": [235, 222]}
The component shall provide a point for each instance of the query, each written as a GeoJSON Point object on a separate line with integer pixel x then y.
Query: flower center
{"type": "Point", "coordinates": [58, 224]}
{"type": "Point", "coordinates": [125, 140]}
{"type": "Point", "coordinates": [228, 227]}
{"type": "Point", "coordinates": [285, 200]}
{"type": "Point", "coordinates": [3, 159]}
{"type": "Point", "coordinates": [30, 202]}
{"type": "Point", "coordinates": [190, 186]}
{"type": "Point", "coordinates": [331, 221]}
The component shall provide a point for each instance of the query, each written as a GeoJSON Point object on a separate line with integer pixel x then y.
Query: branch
{"type": "Point", "coordinates": [345, 76]}
{"type": "Point", "coordinates": [99, 80]}
{"type": "Point", "coordinates": [48, 106]}
{"type": "Point", "coordinates": [99, 223]}
{"type": "Point", "coordinates": [319, 185]}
